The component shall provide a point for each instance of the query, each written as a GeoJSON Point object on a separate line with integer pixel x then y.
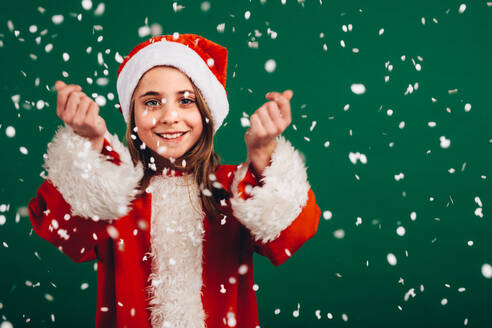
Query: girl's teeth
{"type": "Point", "coordinates": [171, 136]}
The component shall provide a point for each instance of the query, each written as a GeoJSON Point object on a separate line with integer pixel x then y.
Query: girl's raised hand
{"type": "Point", "coordinates": [81, 113]}
{"type": "Point", "coordinates": [268, 122]}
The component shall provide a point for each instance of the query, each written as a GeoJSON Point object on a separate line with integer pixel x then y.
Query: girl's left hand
{"type": "Point", "coordinates": [268, 122]}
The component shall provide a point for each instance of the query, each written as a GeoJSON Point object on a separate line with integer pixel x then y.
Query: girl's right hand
{"type": "Point", "coordinates": [81, 113]}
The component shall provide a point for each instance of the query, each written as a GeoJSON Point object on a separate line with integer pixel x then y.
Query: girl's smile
{"type": "Point", "coordinates": [166, 113]}
{"type": "Point", "coordinates": [172, 136]}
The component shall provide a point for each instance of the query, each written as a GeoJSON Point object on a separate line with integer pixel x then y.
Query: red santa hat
{"type": "Point", "coordinates": [202, 60]}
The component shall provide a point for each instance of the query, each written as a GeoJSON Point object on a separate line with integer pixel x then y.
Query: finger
{"type": "Point", "coordinates": [281, 98]}
{"type": "Point", "coordinates": [277, 119]}
{"type": "Point", "coordinates": [273, 95]}
{"type": "Point", "coordinates": [71, 106]}
{"type": "Point", "coordinates": [283, 102]}
{"type": "Point", "coordinates": [94, 108]}
{"type": "Point", "coordinates": [93, 118]}
{"type": "Point", "coordinates": [92, 114]}
{"type": "Point", "coordinates": [266, 120]}
{"type": "Point", "coordinates": [62, 97]}
{"type": "Point", "coordinates": [81, 112]}
{"type": "Point", "coordinates": [59, 85]}
{"type": "Point", "coordinates": [257, 128]}
{"type": "Point", "coordinates": [288, 94]}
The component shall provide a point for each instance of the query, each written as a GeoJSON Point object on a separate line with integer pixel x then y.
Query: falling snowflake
{"type": "Point", "coordinates": [270, 65]}
{"type": "Point", "coordinates": [57, 19]}
{"type": "Point", "coordinates": [87, 4]}
{"type": "Point", "coordinates": [10, 131]}
{"type": "Point", "coordinates": [391, 258]}
{"type": "Point", "coordinates": [445, 143]}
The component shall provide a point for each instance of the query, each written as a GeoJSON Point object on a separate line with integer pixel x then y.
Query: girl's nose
{"type": "Point", "coordinates": [169, 114]}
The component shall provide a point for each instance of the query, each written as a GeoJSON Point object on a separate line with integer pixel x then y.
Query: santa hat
{"type": "Point", "coordinates": [202, 60]}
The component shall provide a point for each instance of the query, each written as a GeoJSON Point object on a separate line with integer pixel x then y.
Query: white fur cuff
{"type": "Point", "coordinates": [275, 205]}
{"type": "Point", "coordinates": [93, 186]}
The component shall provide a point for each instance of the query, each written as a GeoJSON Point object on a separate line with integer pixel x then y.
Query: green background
{"type": "Point", "coordinates": [350, 277]}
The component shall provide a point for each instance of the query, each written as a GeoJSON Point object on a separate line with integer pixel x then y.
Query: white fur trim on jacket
{"type": "Point", "coordinates": [275, 205]}
{"type": "Point", "coordinates": [92, 185]}
{"type": "Point", "coordinates": [176, 249]}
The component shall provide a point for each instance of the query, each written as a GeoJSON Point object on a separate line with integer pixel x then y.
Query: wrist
{"type": "Point", "coordinates": [260, 157]}
{"type": "Point", "coordinates": [97, 143]}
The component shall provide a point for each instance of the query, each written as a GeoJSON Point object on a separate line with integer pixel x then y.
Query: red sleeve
{"type": "Point", "coordinates": [110, 154]}
{"type": "Point", "coordinates": [73, 235]}
{"type": "Point", "coordinates": [295, 235]}
{"type": "Point", "coordinates": [50, 217]}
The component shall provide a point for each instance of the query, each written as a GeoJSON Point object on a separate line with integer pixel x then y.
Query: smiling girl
{"type": "Point", "coordinates": [172, 230]}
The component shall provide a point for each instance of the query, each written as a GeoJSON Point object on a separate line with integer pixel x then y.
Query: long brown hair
{"type": "Point", "coordinates": [201, 160]}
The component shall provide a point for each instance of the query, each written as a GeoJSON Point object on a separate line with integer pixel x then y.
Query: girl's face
{"type": "Point", "coordinates": [166, 113]}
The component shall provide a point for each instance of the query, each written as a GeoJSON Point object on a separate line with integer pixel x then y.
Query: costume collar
{"type": "Point", "coordinates": [168, 172]}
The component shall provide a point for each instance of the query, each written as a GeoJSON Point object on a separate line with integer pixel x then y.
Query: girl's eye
{"type": "Point", "coordinates": [155, 103]}
{"type": "Point", "coordinates": [189, 101]}
{"type": "Point", "coordinates": [152, 103]}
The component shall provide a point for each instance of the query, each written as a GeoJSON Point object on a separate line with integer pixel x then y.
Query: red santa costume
{"type": "Point", "coordinates": [161, 262]}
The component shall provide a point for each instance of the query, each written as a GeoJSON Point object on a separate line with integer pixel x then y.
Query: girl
{"type": "Point", "coordinates": [173, 232]}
